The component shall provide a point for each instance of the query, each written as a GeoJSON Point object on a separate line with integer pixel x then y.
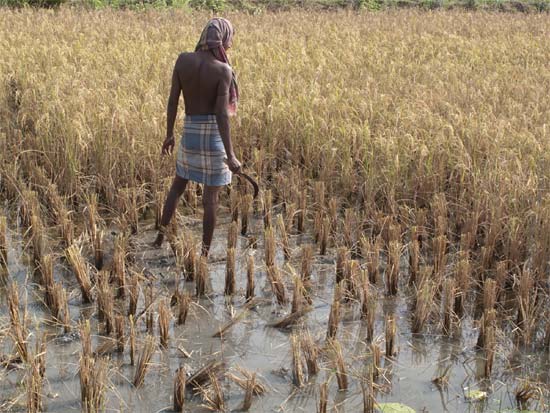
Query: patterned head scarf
{"type": "Point", "coordinates": [216, 37]}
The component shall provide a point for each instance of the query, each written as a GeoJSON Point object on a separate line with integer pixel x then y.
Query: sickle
{"type": "Point", "coordinates": [252, 182]}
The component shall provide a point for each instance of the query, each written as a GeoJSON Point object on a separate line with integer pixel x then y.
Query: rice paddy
{"type": "Point", "coordinates": [398, 251]}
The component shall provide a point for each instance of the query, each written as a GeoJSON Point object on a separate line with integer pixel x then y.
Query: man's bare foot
{"type": "Point", "coordinates": [158, 241]}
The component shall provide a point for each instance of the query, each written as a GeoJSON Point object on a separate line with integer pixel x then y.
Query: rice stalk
{"type": "Point", "coordinates": [423, 305]}
{"type": "Point", "coordinates": [119, 265]}
{"type": "Point", "coordinates": [526, 315]}
{"type": "Point", "coordinates": [323, 397]}
{"type": "Point", "coordinates": [266, 206]}
{"type": "Point", "coordinates": [277, 285]}
{"type": "Point", "coordinates": [283, 236]}
{"type": "Point", "coordinates": [297, 366]}
{"type": "Point", "coordinates": [133, 293]}
{"type": "Point", "coordinates": [311, 353]}
{"type": "Point", "coordinates": [301, 216]}
{"type": "Point", "coordinates": [340, 365]}
{"type": "Point", "coordinates": [132, 340]}
{"type": "Point", "coordinates": [250, 277]}
{"type": "Point", "coordinates": [324, 236]}
{"type": "Point", "coordinates": [232, 234]}
{"type": "Point", "coordinates": [3, 245]}
{"type": "Point", "coordinates": [34, 381]}
{"type": "Point", "coordinates": [183, 308]}
{"type": "Point", "coordinates": [202, 277]}
{"type": "Point", "coordinates": [230, 271]}
{"type": "Point", "coordinates": [246, 206]}
{"type": "Point", "coordinates": [462, 275]}
{"type": "Point", "coordinates": [392, 269]}
{"type": "Point", "coordinates": [269, 238]}
{"type": "Point", "coordinates": [334, 315]}
{"type": "Point", "coordinates": [179, 390]}
{"type": "Point", "coordinates": [257, 389]}
{"type": "Point", "coordinates": [390, 329]}
{"type": "Point", "coordinates": [342, 258]}
{"type": "Point", "coordinates": [414, 260]}
{"type": "Point", "coordinates": [448, 303]}
{"type": "Point", "coordinates": [234, 206]}
{"type": "Point", "coordinates": [119, 333]}
{"type": "Point", "coordinates": [144, 361]}
{"type": "Point", "coordinates": [81, 272]}
{"type": "Point", "coordinates": [105, 304]}
{"type": "Point", "coordinates": [164, 323]}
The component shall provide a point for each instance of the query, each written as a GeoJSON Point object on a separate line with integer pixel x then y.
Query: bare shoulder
{"type": "Point", "coordinates": [184, 58]}
{"type": "Point", "coordinates": [224, 70]}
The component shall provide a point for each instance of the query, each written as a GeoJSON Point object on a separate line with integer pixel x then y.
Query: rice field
{"type": "Point", "coordinates": [399, 251]}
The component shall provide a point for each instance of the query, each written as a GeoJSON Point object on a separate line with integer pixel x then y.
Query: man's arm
{"type": "Point", "coordinates": [172, 110]}
{"type": "Point", "coordinates": [222, 118]}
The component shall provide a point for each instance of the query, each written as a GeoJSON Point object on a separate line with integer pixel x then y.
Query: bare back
{"type": "Point", "coordinates": [200, 75]}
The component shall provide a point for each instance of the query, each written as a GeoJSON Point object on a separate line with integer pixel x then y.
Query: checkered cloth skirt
{"type": "Point", "coordinates": [201, 154]}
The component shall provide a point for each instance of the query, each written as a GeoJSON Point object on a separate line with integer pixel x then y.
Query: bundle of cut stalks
{"type": "Point", "coordinates": [462, 275]}
{"type": "Point", "coordinates": [372, 254]}
{"type": "Point", "coordinates": [297, 366]}
{"type": "Point", "coordinates": [232, 235]}
{"type": "Point", "coordinates": [311, 353]}
{"type": "Point", "coordinates": [37, 238]}
{"type": "Point", "coordinates": [119, 265]}
{"type": "Point", "coordinates": [144, 360]}
{"type": "Point", "coordinates": [527, 308]}
{"type": "Point", "coordinates": [269, 237]}
{"type": "Point", "coordinates": [284, 237]}
{"type": "Point", "coordinates": [307, 259]}
{"type": "Point", "coordinates": [390, 332]}
{"type": "Point", "coordinates": [448, 303]}
{"type": "Point", "coordinates": [79, 267]}
{"type": "Point", "coordinates": [202, 277]}
{"type": "Point", "coordinates": [183, 307]}
{"type": "Point", "coordinates": [376, 353]}
{"type": "Point", "coordinates": [267, 204]}
{"type": "Point", "coordinates": [93, 383]}
{"type": "Point", "coordinates": [230, 272]}
{"type": "Point", "coordinates": [18, 330]}
{"type": "Point", "coordinates": [334, 315]}
{"type": "Point", "coordinates": [250, 277]}
{"type": "Point", "coordinates": [340, 365]}
{"type": "Point", "coordinates": [164, 323]}
{"type": "Point", "coordinates": [133, 293]}
{"type": "Point", "coordinates": [323, 397]}
{"type": "Point", "coordinates": [34, 381]}
{"type": "Point", "coordinates": [392, 269]}
{"type": "Point", "coordinates": [179, 390]}
{"type": "Point", "coordinates": [423, 305]}
{"type": "Point", "coordinates": [324, 235]}
{"type": "Point", "coordinates": [277, 284]}
{"type": "Point", "coordinates": [414, 260]}
{"type": "Point", "coordinates": [3, 245]}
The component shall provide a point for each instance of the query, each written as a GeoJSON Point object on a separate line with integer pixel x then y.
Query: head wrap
{"type": "Point", "coordinates": [216, 37]}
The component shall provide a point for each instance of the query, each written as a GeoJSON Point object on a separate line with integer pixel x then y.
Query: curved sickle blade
{"type": "Point", "coordinates": [252, 181]}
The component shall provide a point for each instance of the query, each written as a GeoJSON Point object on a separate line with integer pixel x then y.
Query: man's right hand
{"type": "Point", "coordinates": [168, 146]}
{"type": "Point", "coordinates": [233, 164]}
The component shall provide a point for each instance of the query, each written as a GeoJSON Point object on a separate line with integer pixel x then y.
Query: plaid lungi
{"type": "Point", "coordinates": [201, 154]}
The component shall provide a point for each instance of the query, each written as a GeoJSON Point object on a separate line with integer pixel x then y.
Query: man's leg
{"type": "Point", "coordinates": [176, 190]}
{"type": "Point", "coordinates": [210, 204]}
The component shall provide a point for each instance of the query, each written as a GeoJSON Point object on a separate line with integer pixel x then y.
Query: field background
{"type": "Point", "coordinates": [386, 108]}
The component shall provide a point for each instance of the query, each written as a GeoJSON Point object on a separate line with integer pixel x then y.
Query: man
{"type": "Point", "coordinates": [205, 153]}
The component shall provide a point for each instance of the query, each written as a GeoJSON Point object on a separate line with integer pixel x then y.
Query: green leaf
{"type": "Point", "coordinates": [394, 408]}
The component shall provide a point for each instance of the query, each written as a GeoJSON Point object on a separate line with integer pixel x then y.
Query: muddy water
{"type": "Point", "coordinates": [262, 349]}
